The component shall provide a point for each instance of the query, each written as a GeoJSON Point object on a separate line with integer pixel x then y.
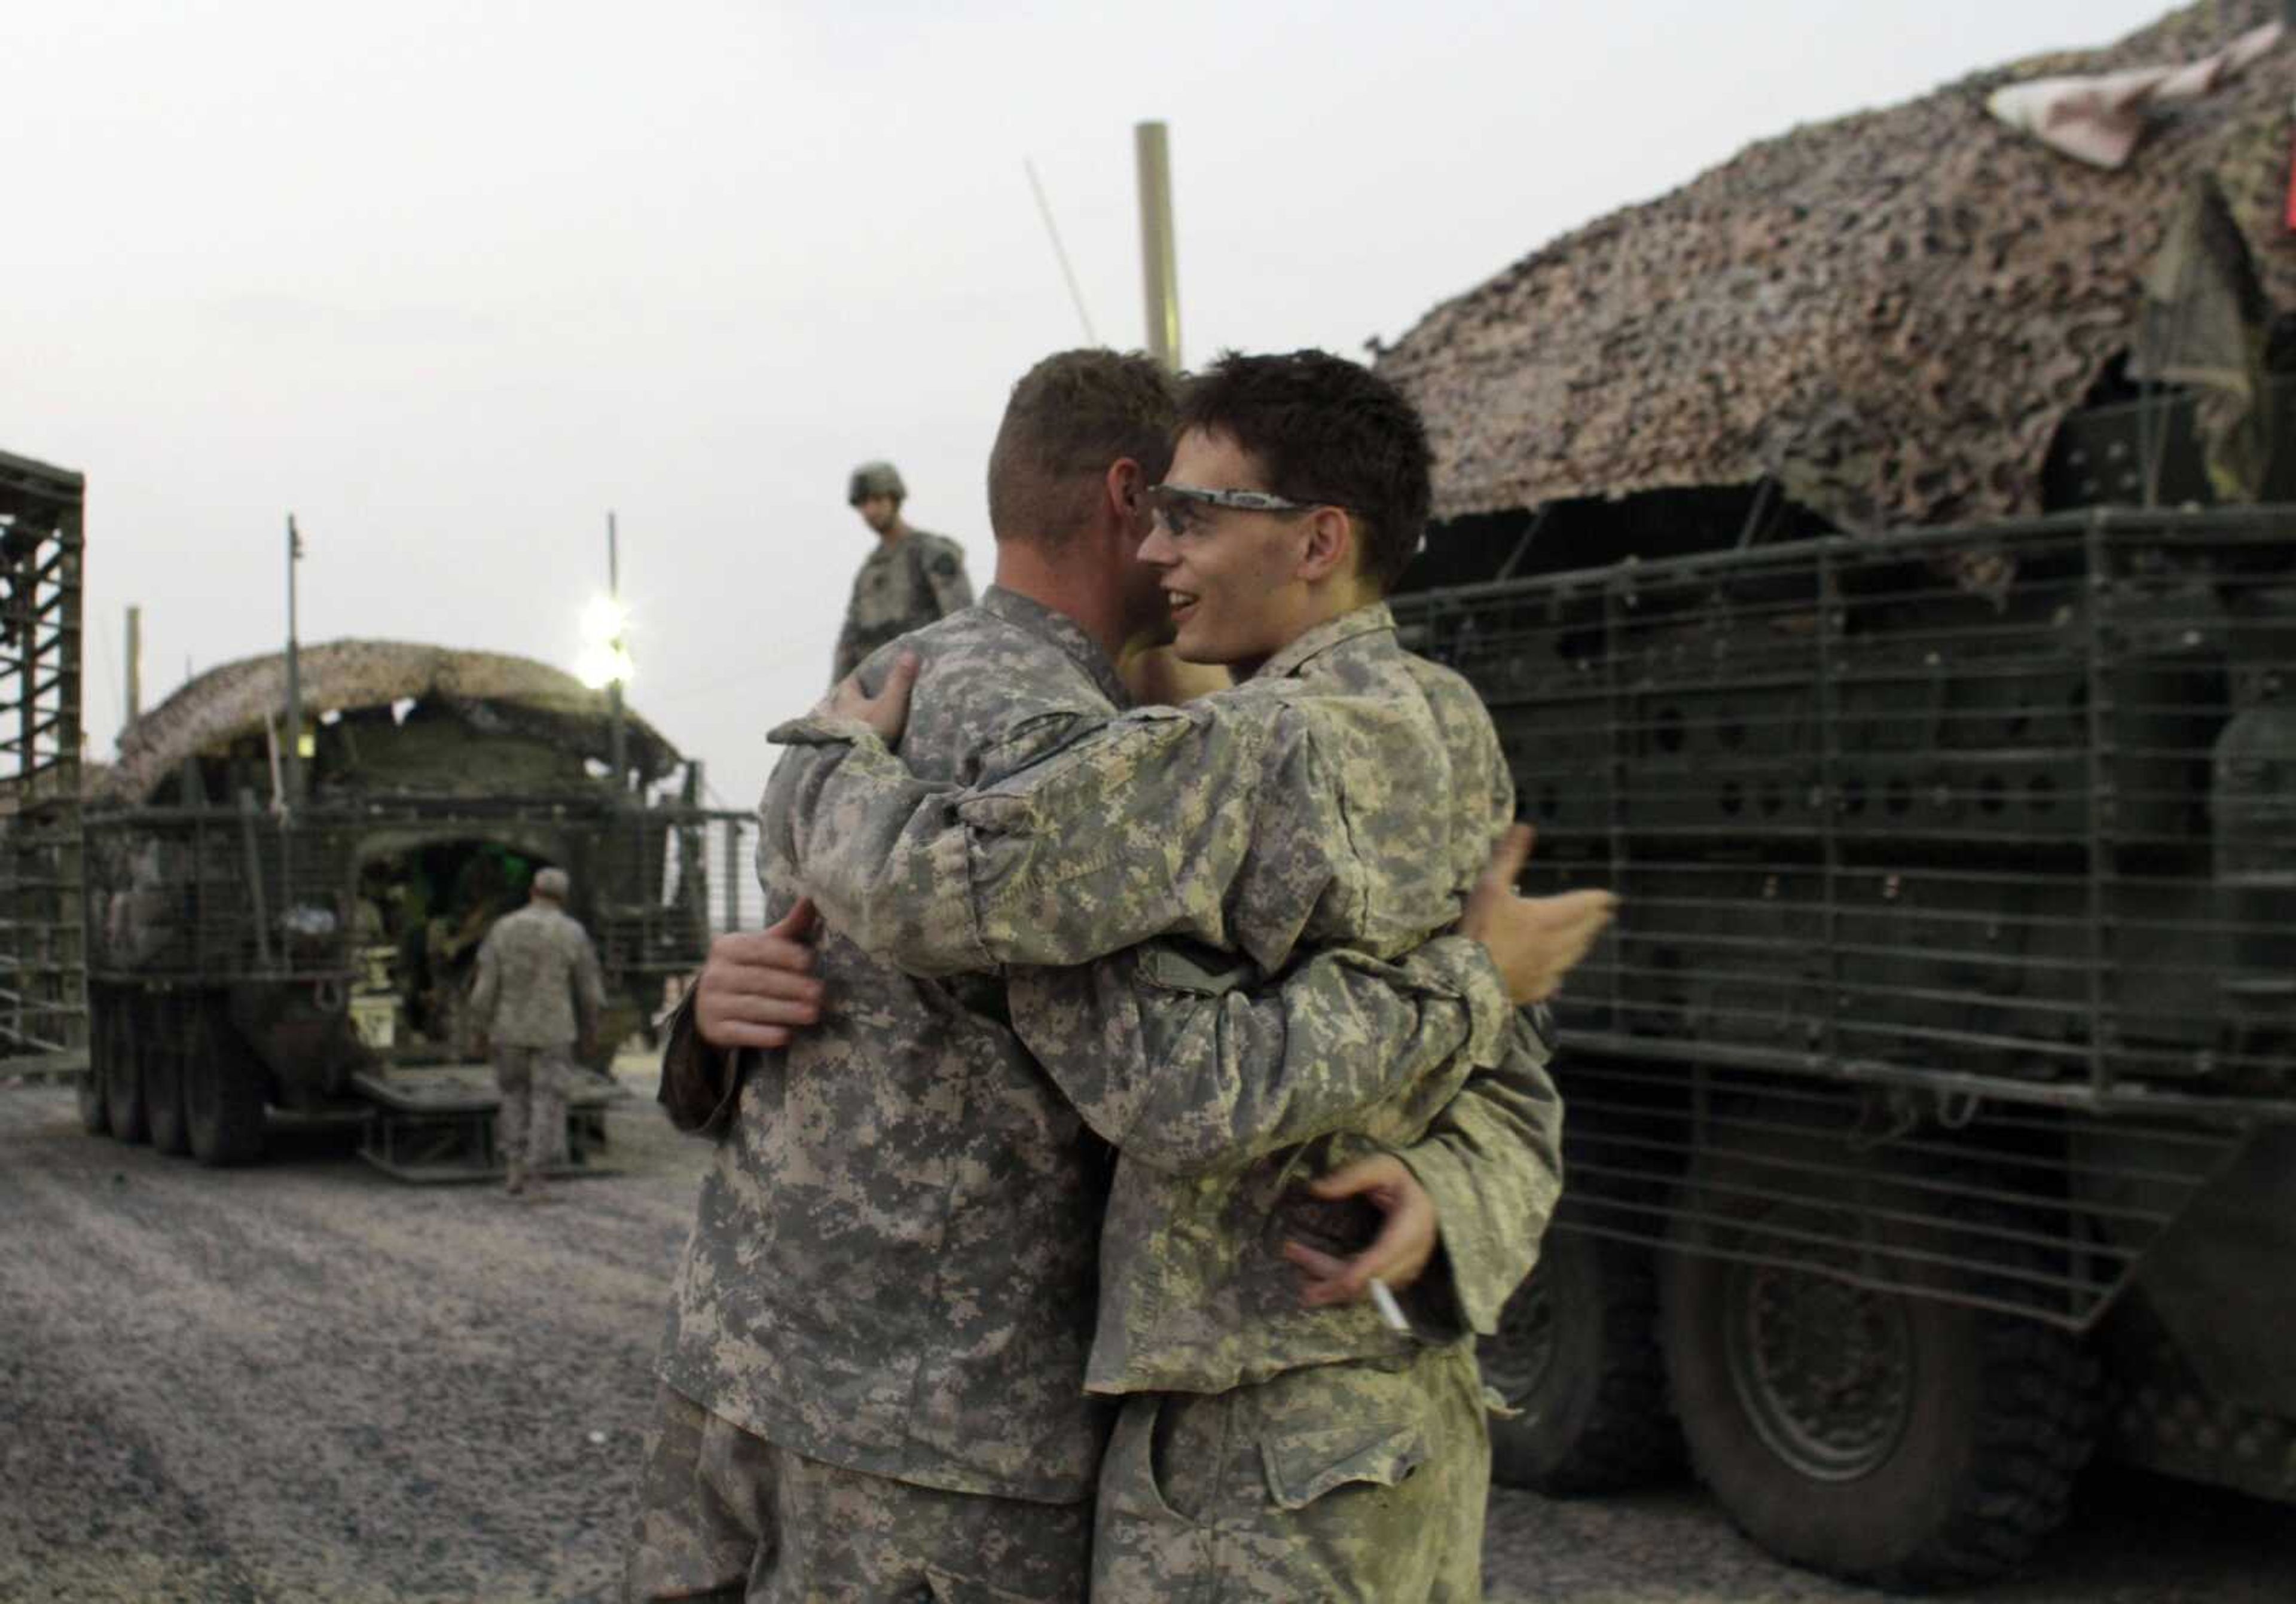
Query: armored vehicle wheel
{"type": "Point", "coordinates": [223, 1088]}
{"type": "Point", "coordinates": [1901, 1441]}
{"type": "Point", "coordinates": [94, 1119]}
{"type": "Point", "coordinates": [123, 1075]}
{"type": "Point", "coordinates": [1577, 1352]}
{"type": "Point", "coordinates": [163, 1080]}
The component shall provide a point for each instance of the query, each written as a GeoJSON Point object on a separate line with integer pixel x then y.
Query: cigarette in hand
{"type": "Point", "coordinates": [1389, 1311]}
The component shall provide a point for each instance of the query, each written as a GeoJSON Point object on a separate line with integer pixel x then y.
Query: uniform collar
{"type": "Point", "coordinates": [1325, 636]}
{"type": "Point", "coordinates": [1062, 631]}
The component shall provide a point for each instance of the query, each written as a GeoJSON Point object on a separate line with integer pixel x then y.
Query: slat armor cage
{"type": "Point", "coordinates": [1958, 940]}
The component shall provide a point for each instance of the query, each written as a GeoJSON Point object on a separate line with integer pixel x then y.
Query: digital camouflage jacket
{"type": "Point", "coordinates": [892, 1267]}
{"type": "Point", "coordinates": [539, 984]}
{"type": "Point", "coordinates": [900, 587]}
{"type": "Point", "coordinates": [1341, 803]}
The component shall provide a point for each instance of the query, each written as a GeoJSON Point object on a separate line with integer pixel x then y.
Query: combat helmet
{"type": "Point", "coordinates": [874, 479]}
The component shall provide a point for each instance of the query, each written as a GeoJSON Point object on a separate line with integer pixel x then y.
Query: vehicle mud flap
{"type": "Point", "coordinates": [103, 1003]}
{"type": "Point", "coordinates": [162, 1067]}
{"type": "Point", "coordinates": [223, 1088]}
{"type": "Point", "coordinates": [123, 1076]}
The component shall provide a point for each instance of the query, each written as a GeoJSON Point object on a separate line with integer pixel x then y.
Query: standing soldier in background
{"type": "Point", "coordinates": [538, 993]}
{"type": "Point", "coordinates": [911, 580]}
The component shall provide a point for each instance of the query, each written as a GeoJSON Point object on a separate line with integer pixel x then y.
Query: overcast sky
{"type": "Point", "coordinates": [450, 281]}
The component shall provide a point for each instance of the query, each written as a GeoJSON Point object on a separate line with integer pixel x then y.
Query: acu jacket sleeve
{"type": "Point", "coordinates": [1492, 1160]}
{"type": "Point", "coordinates": [1215, 822]}
{"type": "Point", "coordinates": [1183, 1059]}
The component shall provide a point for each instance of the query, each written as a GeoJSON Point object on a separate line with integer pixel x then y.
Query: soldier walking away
{"type": "Point", "coordinates": [538, 994]}
{"type": "Point", "coordinates": [911, 580]}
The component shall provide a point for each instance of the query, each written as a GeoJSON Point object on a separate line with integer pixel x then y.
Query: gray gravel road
{"type": "Point", "coordinates": [306, 1381]}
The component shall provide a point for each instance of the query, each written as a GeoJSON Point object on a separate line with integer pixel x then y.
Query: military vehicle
{"type": "Point", "coordinates": [1879, 560]}
{"type": "Point", "coordinates": [273, 900]}
{"type": "Point", "coordinates": [255, 943]}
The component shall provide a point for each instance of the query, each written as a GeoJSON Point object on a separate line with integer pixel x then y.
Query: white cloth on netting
{"type": "Point", "coordinates": [2098, 117]}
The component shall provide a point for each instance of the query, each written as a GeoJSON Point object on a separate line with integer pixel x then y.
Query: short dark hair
{"type": "Point", "coordinates": [1326, 429]}
{"type": "Point", "coordinates": [1070, 417]}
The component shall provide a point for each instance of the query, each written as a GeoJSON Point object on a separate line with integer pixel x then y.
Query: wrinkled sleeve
{"type": "Point", "coordinates": [1492, 1164]}
{"type": "Point", "coordinates": [1149, 826]}
{"type": "Point", "coordinates": [700, 1083]}
{"type": "Point", "coordinates": [882, 852]}
{"type": "Point", "coordinates": [1177, 1056]}
{"type": "Point", "coordinates": [486, 991]}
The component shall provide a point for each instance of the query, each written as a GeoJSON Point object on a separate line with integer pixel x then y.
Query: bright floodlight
{"type": "Point", "coordinates": [601, 665]}
{"type": "Point", "coordinates": [604, 621]}
{"type": "Point", "coordinates": [605, 658]}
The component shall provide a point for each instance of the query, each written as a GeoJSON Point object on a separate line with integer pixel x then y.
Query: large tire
{"type": "Point", "coordinates": [1898, 1440]}
{"type": "Point", "coordinates": [223, 1089]}
{"type": "Point", "coordinates": [123, 1074]}
{"type": "Point", "coordinates": [1577, 1354]}
{"type": "Point", "coordinates": [94, 1118]}
{"type": "Point", "coordinates": [163, 1080]}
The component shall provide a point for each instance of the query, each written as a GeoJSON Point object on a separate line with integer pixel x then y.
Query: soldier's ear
{"type": "Point", "coordinates": [1329, 548]}
{"type": "Point", "coordinates": [1127, 488]}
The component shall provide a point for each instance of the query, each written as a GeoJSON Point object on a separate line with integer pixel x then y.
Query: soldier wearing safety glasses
{"type": "Point", "coordinates": [1275, 1443]}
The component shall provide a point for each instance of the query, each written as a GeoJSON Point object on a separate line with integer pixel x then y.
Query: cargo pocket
{"type": "Point", "coordinates": [1303, 1466]}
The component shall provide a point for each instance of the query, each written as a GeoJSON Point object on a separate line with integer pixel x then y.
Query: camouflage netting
{"type": "Point", "coordinates": [493, 689]}
{"type": "Point", "coordinates": [1890, 314]}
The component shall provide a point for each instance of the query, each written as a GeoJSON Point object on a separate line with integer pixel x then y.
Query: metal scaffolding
{"type": "Point", "coordinates": [43, 948]}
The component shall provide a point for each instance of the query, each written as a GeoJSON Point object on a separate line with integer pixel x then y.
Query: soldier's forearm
{"type": "Point", "coordinates": [880, 852]}
{"type": "Point", "coordinates": [1237, 1077]}
{"type": "Point", "coordinates": [1492, 1164]}
{"type": "Point", "coordinates": [1160, 824]}
{"type": "Point", "coordinates": [1182, 1057]}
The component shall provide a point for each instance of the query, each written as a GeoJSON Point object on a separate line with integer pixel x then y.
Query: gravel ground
{"type": "Point", "coordinates": [306, 1381]}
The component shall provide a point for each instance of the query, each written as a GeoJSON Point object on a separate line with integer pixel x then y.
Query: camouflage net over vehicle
{"type": "Point", "coordinates": [229, 703]}
{"type": "Point", "coordinates": [1888, 314]}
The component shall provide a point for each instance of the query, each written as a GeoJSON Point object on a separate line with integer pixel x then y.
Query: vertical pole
{"type": "Point", "coordinates": [135, 664]}
{"type": "Point", "coordinates": [2101, 737]}
{"type": "Point", "coordinates": [732, 878]}
{"type": "Point", "coordinates": [1160, 270]}
{"type": "Point", "coordinates": [1831, 624]}
{"type": "Point", "coordinates": [614, 685]}
{"type": "Point", "coordinates": [293, 755]}
{"type": "Point", "coordinates": [70, 910]}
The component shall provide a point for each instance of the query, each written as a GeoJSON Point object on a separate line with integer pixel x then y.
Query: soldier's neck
{"type": "Point", "coordinates": [1079, 591]}
{"type": "Point", "coordinates": [894, 533]}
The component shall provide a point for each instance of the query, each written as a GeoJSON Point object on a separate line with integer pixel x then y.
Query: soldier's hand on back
{"type": "Point", "coordinates": [1399, 1255]}
{"type": "Point", "coordinates": [887, 712]}
{"type": "Point", "coordinates": [758, 988]}
{"type": "Point", "coordinates": [1533, 941]}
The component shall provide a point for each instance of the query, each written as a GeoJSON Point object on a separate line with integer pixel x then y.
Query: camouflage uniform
{"type": "Point", "coordinates": [724, 1514]}
{"type": "Point", "coordinates": [902, 586]}
{"type": "Point", "coordinates": [538, 992]}
{"type": "Point", "coordinates": [1292, 809]}
{"type": "Point", "coordinates": [892, 1270]}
